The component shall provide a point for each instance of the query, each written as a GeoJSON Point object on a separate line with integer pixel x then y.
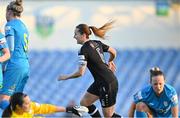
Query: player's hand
{"type": "Point", "coordinates": [112, 66]}
{"type": "Point", "coordinates": [62, 77]}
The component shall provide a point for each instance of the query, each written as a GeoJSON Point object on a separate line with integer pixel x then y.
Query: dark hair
{"type": "Point", "coordinates": [16, 7]}
{"type": "Point", "coordinates": [155, 71]}
{"type": "Point", "coordinates": [15, 99]}
{"type": "Point", "coordinates": [100, 32]}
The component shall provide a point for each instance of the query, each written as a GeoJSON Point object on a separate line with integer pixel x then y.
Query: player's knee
{"type": "Point", "coordinates": [141, 106]}
{"type": "Point", "coordinates": [4, 97]}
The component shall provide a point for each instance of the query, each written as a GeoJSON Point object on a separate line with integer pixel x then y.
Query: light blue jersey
{"type": "Point", "coordinates": [18, 30]}
{"type": "Point", "coordinates": [16, 71]}
{"type": "Point", "coordinates": [2, 45]}
{"type": "Point", "coordinates": [160, 105]}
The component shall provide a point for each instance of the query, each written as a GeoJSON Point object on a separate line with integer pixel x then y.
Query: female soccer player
{"type": "Point", "coordinates": [4, 55]}
{"type": "Point", "coordinates": [16, 70]}
{"type": "Point", "coordinates": [105, 86]}
{"type": "Point", "coordinates": [156, 100]}
{"type": "Point", "coordinates": [21, 106]}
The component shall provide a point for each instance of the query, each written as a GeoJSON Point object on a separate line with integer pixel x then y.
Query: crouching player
{"type": "Point", "coordinates": [156, 100]}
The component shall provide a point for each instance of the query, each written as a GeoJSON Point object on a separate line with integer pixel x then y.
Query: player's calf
{"type": "Point", "coordinates": [93, 111]}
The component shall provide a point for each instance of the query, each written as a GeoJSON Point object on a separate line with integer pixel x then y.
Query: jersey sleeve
{"type": "Point", "coordinates": [174, 98]}
{"type": "Point", "coordinates": [138, 97]}
{"type": "Point", "coordinates": [82, 57]}
{"type": "Point", "coordinates": [43, 108]}
{"type": "Point", "coordinates": [142, 95]}
{"type": "Point", "coordinates": [104, 47]}
{"type": "Point", "coordinates": [9, 31]}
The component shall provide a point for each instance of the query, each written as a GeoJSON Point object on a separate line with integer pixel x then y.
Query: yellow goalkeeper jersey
{"type": "Point", "coordinates": [36, 109]}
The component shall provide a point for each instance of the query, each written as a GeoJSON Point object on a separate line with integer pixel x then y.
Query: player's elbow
{"type": "Point", "coordinates": [8, 56]}
{"type": "Point", "coordinates": [78, 74]}
{"type": "Point", "coordinates": [112, 51]}
{"type": "Point", "coordinates": [81, 73]}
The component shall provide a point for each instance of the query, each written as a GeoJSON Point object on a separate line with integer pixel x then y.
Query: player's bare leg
{"type": "Point", "coordinates": [88, 100]}
{"type": "Point", "coordinates": [4, 101]}
{"type": "Point", "coordinates": [142, 107]}
{"type": "Point", "coordinates": [110, 112]}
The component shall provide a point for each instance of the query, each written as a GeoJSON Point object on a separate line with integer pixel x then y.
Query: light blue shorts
{"type": "Point", "coordinates": [14, 80]}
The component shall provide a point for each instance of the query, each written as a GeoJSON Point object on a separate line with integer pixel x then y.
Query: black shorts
{"type": "Point", "coordinates": [107, 92]}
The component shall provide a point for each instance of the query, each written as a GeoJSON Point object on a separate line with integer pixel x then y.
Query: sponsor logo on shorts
{"type": "Point", "coordinates": [12, 88]}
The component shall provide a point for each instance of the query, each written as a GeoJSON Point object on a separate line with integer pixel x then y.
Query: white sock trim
{"type": "Point", "coordinates": [93, 112]}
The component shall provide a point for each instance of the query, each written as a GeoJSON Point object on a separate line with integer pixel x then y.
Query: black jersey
{"type": "Point", "coordinates": [92, 53]}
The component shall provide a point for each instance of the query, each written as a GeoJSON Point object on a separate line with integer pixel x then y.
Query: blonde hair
{"type": "Point", "coordinates": [16, 7]}
{"type": "Point", "coordinates": [99, 32]}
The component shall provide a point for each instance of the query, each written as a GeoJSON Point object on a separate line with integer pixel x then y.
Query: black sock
{"type": "Point", "coordinates": [116, 115]}
{"type": "Point", "coordinates": [93, 111]}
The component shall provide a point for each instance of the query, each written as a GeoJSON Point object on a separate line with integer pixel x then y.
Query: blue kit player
{"type": "Point", "coordinates": [16, 70]}
{"type": "Point", "coordinates": [156, 100]}
{"type": "Point", "coordinates": [4, 55]}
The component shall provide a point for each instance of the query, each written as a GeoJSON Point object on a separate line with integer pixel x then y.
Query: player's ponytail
{"type": "Point", "coordinates": [155, 71]}
{"type": "Point", "coordinates": [99, 32]}
{"type": "Point", "coordinates": [16, 7]}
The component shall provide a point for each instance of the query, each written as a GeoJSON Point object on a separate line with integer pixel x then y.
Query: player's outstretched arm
{"type": "Point", "coordinates": [50, 109]}
{"type": "Point", "coordinates": [76, 74]}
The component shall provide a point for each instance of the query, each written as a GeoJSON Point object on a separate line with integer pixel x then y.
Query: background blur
{"type": "Point", "coordinates": [146, 34]}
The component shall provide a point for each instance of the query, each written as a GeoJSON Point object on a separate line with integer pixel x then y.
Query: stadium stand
{"type": "Point", "coordinates": [132, 73]}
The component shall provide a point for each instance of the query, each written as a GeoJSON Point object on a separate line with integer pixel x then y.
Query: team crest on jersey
{"type": "Point", "coordinates": [12, 88]}
{"type": "Point", "coordinates": [165, 103]}
{"type": "Point", "coordinates": [44, 25]}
